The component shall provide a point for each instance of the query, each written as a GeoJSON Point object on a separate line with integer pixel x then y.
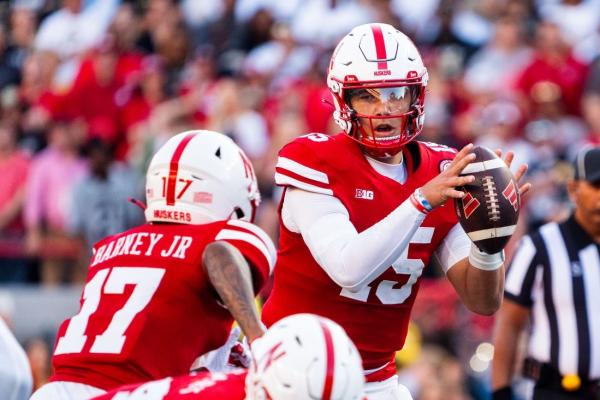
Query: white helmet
{"type": "Point", "coordinates": [305, 357]}
{"type": "Point", "coordinates": [198, 177]}
{"type": "Point", "coordinates": [378, 57]}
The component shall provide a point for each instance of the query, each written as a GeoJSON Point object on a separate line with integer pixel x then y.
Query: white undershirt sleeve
{"type": "Point", "coordinates": [455, 247]}
{"type": "Point", "coordinates": [351, 259]}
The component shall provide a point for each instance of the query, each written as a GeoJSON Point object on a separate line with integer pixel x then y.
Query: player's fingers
{"type": "Point", "coordinates": [457, 168]}
{"type": "Point", "coordinates": [462, 180]}
{"type": "Point", "coordinates": [498, 152]}
{"type": "Point", "coordinates": [524, 188]}
{"type": "Point", "coordinates": [453, 193]}
{"type": "Point", "coordinates": [465, 151]}
{"type": "Point", "coordinates": [521, 172]}
{"type": "Point", "coordinates": [508, 158]}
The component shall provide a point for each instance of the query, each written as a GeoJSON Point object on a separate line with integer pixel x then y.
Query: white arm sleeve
{"type": "Point", "coordinates": [351, 259]}
{"type": "Point", "coordinates": [455, 247]}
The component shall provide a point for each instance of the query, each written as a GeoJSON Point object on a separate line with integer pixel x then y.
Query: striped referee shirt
{"type": "Point", "coordinates": [556, 273]}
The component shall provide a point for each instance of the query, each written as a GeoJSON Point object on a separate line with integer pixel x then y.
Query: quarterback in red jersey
{"type": "Point", "coordinates": [161, 294]}
{"type": "Point", "coordinates": [364, 211]}
{"type": "Point", "coordinates": [301, 357]}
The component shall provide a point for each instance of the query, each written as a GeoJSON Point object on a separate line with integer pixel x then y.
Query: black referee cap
{"type": "Point", "coordinates": [587, 164]}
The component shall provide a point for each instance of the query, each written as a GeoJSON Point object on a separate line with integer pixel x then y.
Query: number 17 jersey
{"type": "Point", "coordinates": [376, 318]}
{"type": "Point", "coordinates": [148, 308]}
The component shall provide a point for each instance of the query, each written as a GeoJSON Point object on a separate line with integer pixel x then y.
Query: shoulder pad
{"type": "Point", "coordinates": [300, 164]}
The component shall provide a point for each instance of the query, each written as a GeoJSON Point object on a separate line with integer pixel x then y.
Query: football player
{"type": "Point", "coordinates": [364, 211]}
{"type": "Point", "coordinates": [159, 295]}
{"type": "Point", "coordinates": [301, 357]}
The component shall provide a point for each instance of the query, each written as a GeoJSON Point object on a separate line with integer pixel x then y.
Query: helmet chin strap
{"type": "Point", "coordinates": [373, 152]}
{"type": "Point", "coordinates": [137, 203]}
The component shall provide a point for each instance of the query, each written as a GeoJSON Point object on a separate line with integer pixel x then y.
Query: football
{"type": "Point", "coordinates": [490, 208]}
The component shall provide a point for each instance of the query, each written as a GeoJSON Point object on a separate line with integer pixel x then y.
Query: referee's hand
{"type": "Point", "coordinates": [504, 393]}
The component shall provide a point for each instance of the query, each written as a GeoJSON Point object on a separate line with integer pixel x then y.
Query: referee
{"type": "Point", "coordinates": [554, 280]}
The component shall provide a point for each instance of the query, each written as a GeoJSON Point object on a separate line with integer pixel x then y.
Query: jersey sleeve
{"type": "Point", "coordinates": [299, 164]}
{"type": "Point", "coordinates": [520, 275]}
{"type": "Point", "coordinates": [254, 244]}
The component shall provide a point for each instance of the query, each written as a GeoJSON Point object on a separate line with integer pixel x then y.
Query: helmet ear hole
{"type": "Point", "coordinates": [239, 213]}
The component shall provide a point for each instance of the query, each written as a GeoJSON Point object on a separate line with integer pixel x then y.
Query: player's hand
{"type": "Point", "coordinates": [438, 190]}
{"type": "Point", "coordinates": [232, 355]}
{"type": "Point", "coordinates": [508, 159]}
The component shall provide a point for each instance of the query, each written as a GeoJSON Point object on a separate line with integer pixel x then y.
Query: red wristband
{"type": "Point", "coordinates": [420, 207]}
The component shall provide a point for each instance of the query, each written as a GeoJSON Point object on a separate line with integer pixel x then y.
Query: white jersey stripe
{"type": "Point", "coordinates": [519, 267]}
{"type": "Point", "coordinates": [492, 233]}
{"type": "Point", "coordinates": [539, 342]}
{"type": "Point", "coordinates": [228, 234]}
{"type": "Point", "coordinates": [483, 166]}
{"type": "Point", "coordinates": [258, 232]}
{"type": "Point", "coordinates": [562, 297]}
{"type": "Point", "coordinates": [302, 170]}
{"type": "Point", "coordinates": [590, 264]}
{"type": "Point", "coordinates": [281, 179]}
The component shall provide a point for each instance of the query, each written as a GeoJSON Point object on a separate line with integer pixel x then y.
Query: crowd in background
{"type": "Point", "coordinates": [89, 89]}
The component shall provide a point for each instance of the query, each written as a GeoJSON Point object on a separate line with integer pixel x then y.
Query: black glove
{"type": "Point", "coordinates": [504, 393]}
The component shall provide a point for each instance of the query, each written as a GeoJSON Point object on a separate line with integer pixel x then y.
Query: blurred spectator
{"type": "Point", "coordinates": [495, 67]}
{"type": "Point", "coordinates": [576, 19]}
{"type": "Point", "coordinates": [92, 96]}
{"type": "Point", "coordinates": [498, 126]}
{"type": "Point", "coordinates": [53, 174]}
{"type": "Point", "coordinates": [73, 29]}
{"type": "Point", "coordinates": [220, 31]}
{"type": "Point", "coordinates": [279, 61]}
{"type": "Point", "coordinates": [553, 63]}
{"type": "Point", "coordinates": [14, 166]}
{"type": "Point", "coordinates": [254, 32]}
{"type": "Point", "coordinates": [126, 29]}
{"type": "Point", "coordinates": [10, 73]}
{"type": "Point", "coordinates": [100, 205]}
{"type": "Point", "coordinates": [591, 103]}
{"type": "Point", "coordinates": [323, 23]}
{"type": "Point", "coordinates": [159, 14]}
{"type": "Point", "coordinates": [23, 24]}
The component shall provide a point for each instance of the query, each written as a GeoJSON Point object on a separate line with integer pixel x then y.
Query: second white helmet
{"type": "Point", "coordinates": [305, 357]}
{"type": "Point", "coordinates": [198, 177]}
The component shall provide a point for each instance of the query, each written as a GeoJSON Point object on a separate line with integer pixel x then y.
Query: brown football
{"type": "Point", "coordinates": [490, 208]}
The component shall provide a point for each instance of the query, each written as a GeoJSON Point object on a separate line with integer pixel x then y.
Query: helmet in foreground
{"type": "Point", "coordinates": [305, 357]}
{"type": "Point", "coordinates": [381, 66]}
{"type": "Point", "coordinates": [198, 177]}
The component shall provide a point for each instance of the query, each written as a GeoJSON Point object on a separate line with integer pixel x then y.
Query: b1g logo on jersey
{"type": "Point", "coordinates": [364, 194]}
{"type": "Point", "coordinates": [469, 204]}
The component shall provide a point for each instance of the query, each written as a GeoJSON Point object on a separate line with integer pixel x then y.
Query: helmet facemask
{"type": "Point", "coordinates": [383, 118]}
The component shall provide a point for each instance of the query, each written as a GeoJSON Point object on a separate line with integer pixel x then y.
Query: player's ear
{"type": "Point", "coordinates": [573, 189]}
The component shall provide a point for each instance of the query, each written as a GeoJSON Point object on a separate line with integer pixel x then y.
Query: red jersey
{"type": "Point", "coordinates": [196, 386]}
{"type": "Point", "coordinates": [376, 318]}
{"type": "Point", "coordinates": [148, 308]}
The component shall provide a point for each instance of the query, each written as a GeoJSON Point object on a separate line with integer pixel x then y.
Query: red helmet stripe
{"type": "Point", "coordinates": [174, 168]}
{"type": "Point", "coordinates": [329, 362]}
{"type": "Point", "coordinates": [379, 46]}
